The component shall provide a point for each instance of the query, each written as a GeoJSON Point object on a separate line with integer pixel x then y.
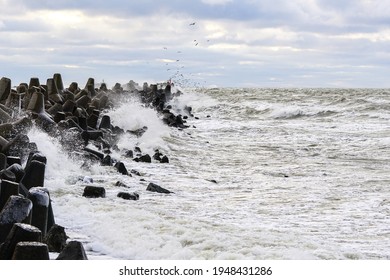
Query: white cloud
{"type": "Point", "coordinates": [241, 41]}
{"type": "Point", "coordinates": [216, 2]}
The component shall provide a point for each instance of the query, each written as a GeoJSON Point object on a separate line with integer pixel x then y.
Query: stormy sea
{"type": "Point", "coordinates": [258, 174]}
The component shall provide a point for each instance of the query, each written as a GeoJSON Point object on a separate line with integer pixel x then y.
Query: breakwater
{"type": "Point", "coordinates": [75, 116]}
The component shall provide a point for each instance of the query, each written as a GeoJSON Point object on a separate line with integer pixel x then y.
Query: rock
{"type": "Point", "coordinates": [4, 116]}
{"type": "Point", "coordinates": [120, 166]}
{"type": "Point", "coordinates": [157, 155]}
{"type": "Point", "coordinates": [74, 250]}
{"type": "Point", "coordinates": [144, 158]}
{"type": "Point", "coordinates": [138, 132]}
{"type": "Point", "coordinates": [34, 174]}
{"type": "Point", "coordinates": [129, 154]}
{"type": "Point", "coordinates": [98, 154]}
{"type": "Point", "coordinates": [14, 160]}
{"type": "Point", "coordinates": [91, 135]}
{"type": "Point", "coordinates": [135, 172]}
{"type": "Point", "coordinates": [19, 232]}
{"type": "Point", "coordinates": [58, 81]}
{"type": "Point", "coordinates": [128, 196]}
{"type": "Point", "coordinates": [164, 159]}
{"type": "Point", "coordinates": [17, 170]}
{"type": "Point", "coordinates": [56, 238]}
{"type": "Point", "coordinates": [40, 199]}
{"type": "Point", "coordinates": [18, 146]}
{"type": "Point", "coordinates": [93, 119]}
{"type": "Point", "coordinates": [69, 106]}
{"type": "Point", "coordinates": [34, 82]}
{"type": "Point", "coordinates": [3, 161]}
{"type": "Point", "coordinates": [105, 122]}
{"type": "Point", "coordinates": [6, 174]}
{"type": "Point", "coordinates": [94, 192]}
{"type": "Point", "coordinates": [5, 88]}
{"type": "Point", "coordinates": [7, 189]}
{"type": "Point", "coordinates": [107, 161]}
{"type": "Point", "coordinates": [156, 188]}
{"type": "Point", "coordinates": [36, 155]}
{"type": "Point", "coordinates": [16, 210]}
{"type": "Point", "coordinates": [121, 184]}
{"type": "Point", "coordinates": [31, 251]}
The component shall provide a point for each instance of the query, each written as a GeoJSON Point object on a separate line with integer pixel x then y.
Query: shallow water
{"type": "Point", "coordinates": [300, 174]}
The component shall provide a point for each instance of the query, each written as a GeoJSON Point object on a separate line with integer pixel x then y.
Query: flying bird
{"type": "Point", "coordinates": [192, 23]}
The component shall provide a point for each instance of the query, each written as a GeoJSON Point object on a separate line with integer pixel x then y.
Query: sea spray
{"type": "Point", "coordinates": [132, 116]}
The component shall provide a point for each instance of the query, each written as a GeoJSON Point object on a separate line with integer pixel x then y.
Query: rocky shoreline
{"type": "Point", "coordinates": [75, 116]}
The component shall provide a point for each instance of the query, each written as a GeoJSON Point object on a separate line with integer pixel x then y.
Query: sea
{"type": "Point", "coordinates": [260, 173]}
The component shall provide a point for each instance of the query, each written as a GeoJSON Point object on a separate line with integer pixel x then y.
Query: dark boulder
{"type": "Point", "coordinates": [144, 158]}
{"type": "Point", "coordinates": [164, 159]}
{"type": "Point", "coordinates": [34, 174]}
{"type": "Point", "coordinates": [128, 196]}
{"type": "Point", "coordinates": [17, 170]}
{"type": "Point", "coordinates": [7, 189]}
{"type": "Point", "coordinates": [74, 250]}
{"type": "Point", "coordinates": [19, 232]}
{"type": "Point", "coordinates": [16, 210]}
{"type": "Point", "coordinates": [105, 122]}
{"type": "Point", "coordinates": [107, 161]}
{"type": "Point", "coordinates": [56, 238]}
{"type": "Point", "coordinates": [94, 192]}
{"type": "Point", "coordinates": [28, 250]}
{"type": "Point", "coordinates": [120, 166]}
{"type": "Point", "coordinates": [40, 199]}
{"type": "Point", "coordinates": [156, 188]}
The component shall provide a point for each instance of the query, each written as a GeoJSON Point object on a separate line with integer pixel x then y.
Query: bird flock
{"type": "Point", "coordinates": [176, 67]}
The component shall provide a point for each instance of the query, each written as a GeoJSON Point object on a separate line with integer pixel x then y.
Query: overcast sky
{"type": "Point", "coordinates": [242, 43]}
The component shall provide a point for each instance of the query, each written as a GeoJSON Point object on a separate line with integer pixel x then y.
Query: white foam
{"type": "Point", "coordinates": [132, 116]}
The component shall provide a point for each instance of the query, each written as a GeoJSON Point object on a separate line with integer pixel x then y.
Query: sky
{"type": "Point", "coordinates": [202, 43]}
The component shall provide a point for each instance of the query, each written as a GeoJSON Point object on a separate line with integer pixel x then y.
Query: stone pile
{"type": "Point", "coordinates": [76, 117]}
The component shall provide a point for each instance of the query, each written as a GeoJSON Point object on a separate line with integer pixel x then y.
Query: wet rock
{"type": "Point", "coordinates": [16, 210]}
{"type": "Point", "coordinates": [19, 232]}
{"type": "Point", "coordinates": [5, 88]}
{"type": "Point", "coordinates": [138, 132]}
{"type": "Point", "coordinates": [56, 238]}
{"type": "Point", "coordinates": [128, 196]}
{"type": "Point", "coordinates": [8, 175]}
{"type": "Point", "coordinates": [14, 160]}
{"type": "Point", "coordinates": [107, 161]}
{"type": "Point", "coordinates": [164, 159]}
{"type": "Point", "coordinates": [105, 122]}
{"type": "Point", "coordinates": [74, 250]}
{"type": "Point", "coordinates": [156, 188]}
{"type": "Point", "coordinates": [120, 166]}
{"type": "Point", "coordinates": [94, 192]}
{"type": "Point", "coordinates": [157, 155]}
{"type": "Point", "coordinates": [144, 158]}
{"type": "Point", "coordinates": [95, 153]}
{"type": "Point", "coordinates": [121, 184]}
{"type": "Point", "coordinates": [28, 250]}
{"type": "Point", "coordinates": [17, 170]}
{"type": "Point", "coordinates": [3, 161]}
{"type": "Point", "coordinates": [40, 199]}
{"type": "Point", "coordinates": [38, 156]}
{"type": "Point", "coordinates": [7, 189]}
{"type": "Point", "coordinates": [135, 172]}
{"type": "Point", "coordinates": [34, 174]}
{"type": "Point", "coordinates": [129, 153]}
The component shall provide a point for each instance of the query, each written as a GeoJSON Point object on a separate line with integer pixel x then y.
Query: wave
{"type": "Point", "coordinates": [293, 112]}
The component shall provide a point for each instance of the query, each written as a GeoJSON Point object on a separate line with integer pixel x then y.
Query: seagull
{"type": "Point", "coordinates": [192, 23]}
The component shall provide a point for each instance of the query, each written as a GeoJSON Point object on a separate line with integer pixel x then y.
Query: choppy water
{"type": "Point", "coordinates": [301, 174]}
